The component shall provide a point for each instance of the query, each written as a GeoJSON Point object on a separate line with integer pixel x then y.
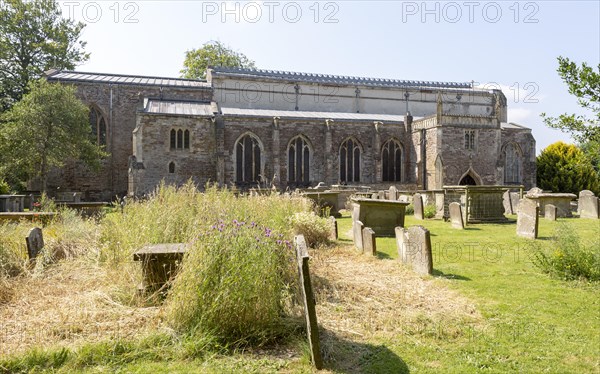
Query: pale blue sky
{"type": "Point", "coordinates": [507, 43]}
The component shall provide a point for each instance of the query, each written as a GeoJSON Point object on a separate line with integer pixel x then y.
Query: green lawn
{"type": "Point", "coordinates": [532, 323]}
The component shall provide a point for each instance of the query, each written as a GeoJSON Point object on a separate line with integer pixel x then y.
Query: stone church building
{"type": "Point", "coordinates": [247, 128]}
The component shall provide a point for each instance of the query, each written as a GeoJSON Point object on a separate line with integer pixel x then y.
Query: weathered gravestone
{"type": "Point", "coordinates": [334, 228]}
{"type": "Point", "coordinates": [456, 216]}
{"type": "Point", "coordinates": [357, 228]}
{"type": "Point", "coordinates": [515, 198]}
{"type": "Point", "coordinates": [381, 195]}
{"type": "Point", "coordinates": [35, 242]}
{"type": "Point", "coordinates": [308, 298]}
{"type": "Point", "coordinates": [393, 193]}
{"type": "Point", "coordinates": [375, 196]}
{"type": "Point", "coordinates": [506, 201]}
{"type": "Point", "coordinates": [369, 243]}
{"type": "Point", "coordinates": [588, 206]}
{"type": "Point", "coordinates": [414, 248]}
{"type": "Point", "coordinates": [527, 219]}
{"type": "Point", "coordinates": [582, 193]}
{"type": "Point", "coordinates": [550, 212]}
{"type": "Point", "coordinates": [418, 205]}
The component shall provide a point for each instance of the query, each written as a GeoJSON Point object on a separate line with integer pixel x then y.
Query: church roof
{"type": "Point", "coordinates": [513, 126]}
{"type": "Point", "coordinates": [189, 108]}
{"type": "Point", "coordinates": [79, 76]}
{"type": "Point", "coordinates": [296, 114]}
{"type": "Point", "coordinates": [333, 79]}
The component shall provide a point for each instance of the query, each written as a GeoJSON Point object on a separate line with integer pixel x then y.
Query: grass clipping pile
{"type": "Point", "coordinates": [362, 298]}
{"type": "Point", "coordinates": [69, 304]}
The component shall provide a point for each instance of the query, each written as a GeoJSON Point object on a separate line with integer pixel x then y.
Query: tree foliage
{"type": "Point", "coordinates": [45, 129]}
{"type": "Point", "coordinates": [213, 53]}
{"type": "Point", "coordinates": [584, 83]}
{"type": "Point", "coordinates": [34, 38]}
{"type": "Point", "coordinates": [564, 167]}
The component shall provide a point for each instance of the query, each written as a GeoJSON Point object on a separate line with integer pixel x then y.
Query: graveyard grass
{"type": "Point", "coordinates": [487, 308]}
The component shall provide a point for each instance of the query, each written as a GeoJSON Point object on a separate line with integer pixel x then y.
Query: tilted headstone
{"type": "Point", "coordinates": [515, 198]}
{"type": "Point", "coordinates": [550, 212]}
{"type": "Point", "coordinates": [357, 229]}
{"type": "Point", "coordinates": [418, 205]}
{"type": "Point", "coordinates": [588, 207]}
{"type": "Point", "coordinates": [402, 243]}
{"type": "Point", "coordinates": [369, 244]}
{"type": "Point", "coordinates": [508, 207]}
{"type": "Point", "coordinates": [414, 248]}
{"type": "Point", "coordinates": [381, 195]}
{"type": "Point", "coordinates": [308, 298]}
{"type": "Point", "coordinates": [527, 219]}
{"type": "Point", "coordinates": [393, 193]}
{"type": "Point", "coordinates": [35, 242]}
{"type": "Point", "coordinates": [334, 228]}
{"type": "Point", "coordinates": [456, 216]}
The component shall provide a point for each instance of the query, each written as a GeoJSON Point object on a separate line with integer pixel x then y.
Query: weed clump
{"type": "Point", "coordinates": [316, 230]}
{"type": "Point", "coordinates": [235, 282]}
{"type": "Point", "coordinates": [568, 257]}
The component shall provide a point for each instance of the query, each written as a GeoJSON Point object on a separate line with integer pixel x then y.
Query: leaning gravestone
{"type": "Point", "coordinates": [456, 217]}
{"type": "Point", "coordinates": [381, 195]}
{"type": "Point", "coordinates": [527, 219]}
{"type": "Point", "coordinates": [308, 298]}
{"type": "Point", "coordinates": [550, 212]}
{"type": "Point", "coordinates": [369, 244]}
{"type": "Point", "coordinates": [588, 206]}
{"type": "Point", "coordinates": [414, 248]}
{"type": "Point", "coordinates": [418, 205]}
{"type": "Point", "coordinates": [506, 201]}
{"type": "Point", "coordinates": [357, 229]}
{"type": "Point", "coordinates": [515, 198]}
{"type": "Point", "coordinates": [334, 228]}
{"type": "Point", "coordinates": [393, 193]}
{"type": "Point", "coordinates": [35, 242]}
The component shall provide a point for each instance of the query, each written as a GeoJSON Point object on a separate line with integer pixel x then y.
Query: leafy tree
{"type": "Point", "coordinates": [564, 167]}
{"type": "Point", "coordinates": [45, 129]}
{"type": "Point", "coordinates": [213, 53]}
{"type": "Point", "coordinates": [584, 83]}
{"type": "Point", "coordinates": [34, 38]}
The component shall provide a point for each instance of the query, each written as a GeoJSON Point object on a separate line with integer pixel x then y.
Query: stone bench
{"type": "Point", "coordinates": [160, 263]}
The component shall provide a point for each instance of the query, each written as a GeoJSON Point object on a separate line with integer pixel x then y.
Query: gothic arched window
{"type": "Point", "coordinates": [247, 159]}
{"type": "Point", "coordinates": [299, 161]}
{"type": "Point", "coordinates": [391, 161]}
{"type": "Point", "coordinates": [512, 164]}
{"type": "Point", "coordinates": [350, 161]}
{"type": "Point", "coordinates": [98, 126]}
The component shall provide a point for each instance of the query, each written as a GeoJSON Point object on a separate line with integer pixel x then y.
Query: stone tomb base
{"type": "Point", "coordinates": [383, 216]}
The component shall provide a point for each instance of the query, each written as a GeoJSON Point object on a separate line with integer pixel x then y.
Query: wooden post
{"type": "Point", "coordinates": [312, 328]}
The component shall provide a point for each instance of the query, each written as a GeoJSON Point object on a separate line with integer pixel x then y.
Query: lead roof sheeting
{"type": "Point", "coordinates": [127, 79]}
{"type": "Point", "coordinates": [179, 108]}
{"type": "Point", "coordinates": [335, 79]}
{"type": "Point", "coordinates": [311, 115]}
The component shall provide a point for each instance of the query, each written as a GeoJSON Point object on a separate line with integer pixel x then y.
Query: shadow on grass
{"type": "Point", "coordinates": [441, 274]}
{"type": "Point", "coordinates": [341, 355]}
{"type": "Point", "coordinates": [471, 228]}
{"type": "Point", "coordinates": [383, 256]}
